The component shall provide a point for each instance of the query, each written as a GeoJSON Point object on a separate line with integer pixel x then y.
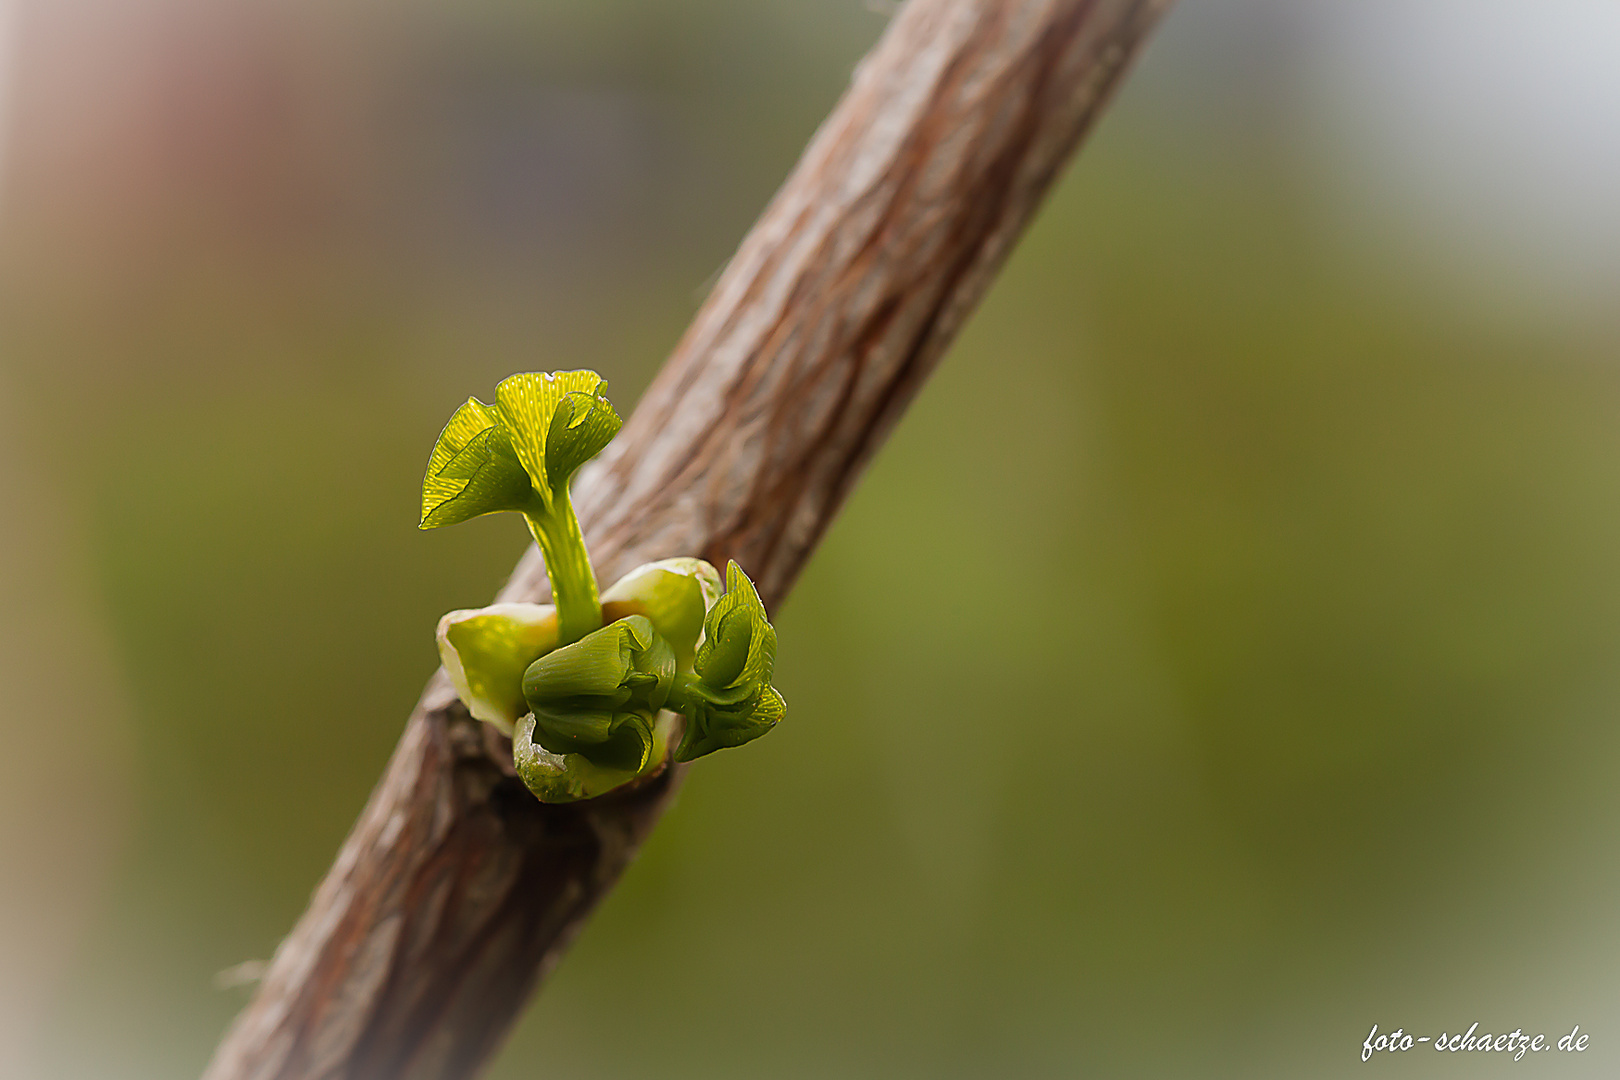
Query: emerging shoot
{"type": "Point", "coordinates": [519, 454]}
{"type": "Point", "coordinates": [729, 700]}
{"type": "Point", "coordinates": [590, 707]}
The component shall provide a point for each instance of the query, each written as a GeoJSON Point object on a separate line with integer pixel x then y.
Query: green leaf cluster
{"type": "Point", "coordinates": [598, 696]}
{"type": "Point", "coordinates": [519, 453]}
{"type": "Point", "coordinates": [590, 707]}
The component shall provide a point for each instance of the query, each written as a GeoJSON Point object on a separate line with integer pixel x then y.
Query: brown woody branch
{"type": "Point", "coordinates": [457, 891]}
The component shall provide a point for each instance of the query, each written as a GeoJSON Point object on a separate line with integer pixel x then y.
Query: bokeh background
{"type": "Point", "coordinates": [1251, 681]}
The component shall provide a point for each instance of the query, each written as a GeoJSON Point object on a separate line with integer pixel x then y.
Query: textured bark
{"type": "Point", "coordinates": [457, 891]}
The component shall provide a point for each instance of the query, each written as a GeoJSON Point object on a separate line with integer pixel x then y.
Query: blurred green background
{"type": "Point", "coordinates": [1220, 659]}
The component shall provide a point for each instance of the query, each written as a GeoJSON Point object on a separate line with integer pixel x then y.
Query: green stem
{"type": "Point", "coordinates": [681, 692]}
{"type": "Point", "coordinates": [568, 564]}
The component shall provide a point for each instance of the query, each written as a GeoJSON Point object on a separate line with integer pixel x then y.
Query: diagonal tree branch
{"type": "Point", "coordinates": [457, 891]}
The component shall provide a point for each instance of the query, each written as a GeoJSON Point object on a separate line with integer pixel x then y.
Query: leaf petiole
{"type": "Point", "coordinates": [568, 564]}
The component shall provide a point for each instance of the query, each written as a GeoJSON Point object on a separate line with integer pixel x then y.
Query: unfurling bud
{"type": "Point", "coordinates": [597, 697]}
{"type": "Point", "coordinates": [730, 700]}
{"type": "Point", "coordinates": [589, 707]}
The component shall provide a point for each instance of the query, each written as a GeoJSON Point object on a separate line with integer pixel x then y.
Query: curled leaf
{"type": "Point", "coordinates": [597, 697]}
{"type": "Point", "coordinates": [730, 701]}
{"type": "Point", "coordinates": [559, 778]}
{"type": "Point", "coordinates": [485, 652]}
{"type": "Point", "coordinates": [674, 595]}
{"type": "Point", "coordinates": [556, 423]}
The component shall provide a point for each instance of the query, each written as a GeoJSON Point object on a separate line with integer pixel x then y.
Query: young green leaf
{"type": "Point", "coordinates": [560, 778]}
{"type": "Point", "coordinates": [597, 697]}
{"type": "Point", "coordinates": [473, 470]}
{"type": "Point", "coordinates": [556, 423]}
{"type": "Point", "coordinates": [730, 700]}
{"type": "Point", "coordinates": [519, 454]}
{"type": "Point", "coordinates": [716, 724]}
{"type": "Point", "coordinates": [740, 643]}
{"type": "Point", "coordinates": [674, 595]}
{"type": "Point", "coordinates": [485, 652]}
